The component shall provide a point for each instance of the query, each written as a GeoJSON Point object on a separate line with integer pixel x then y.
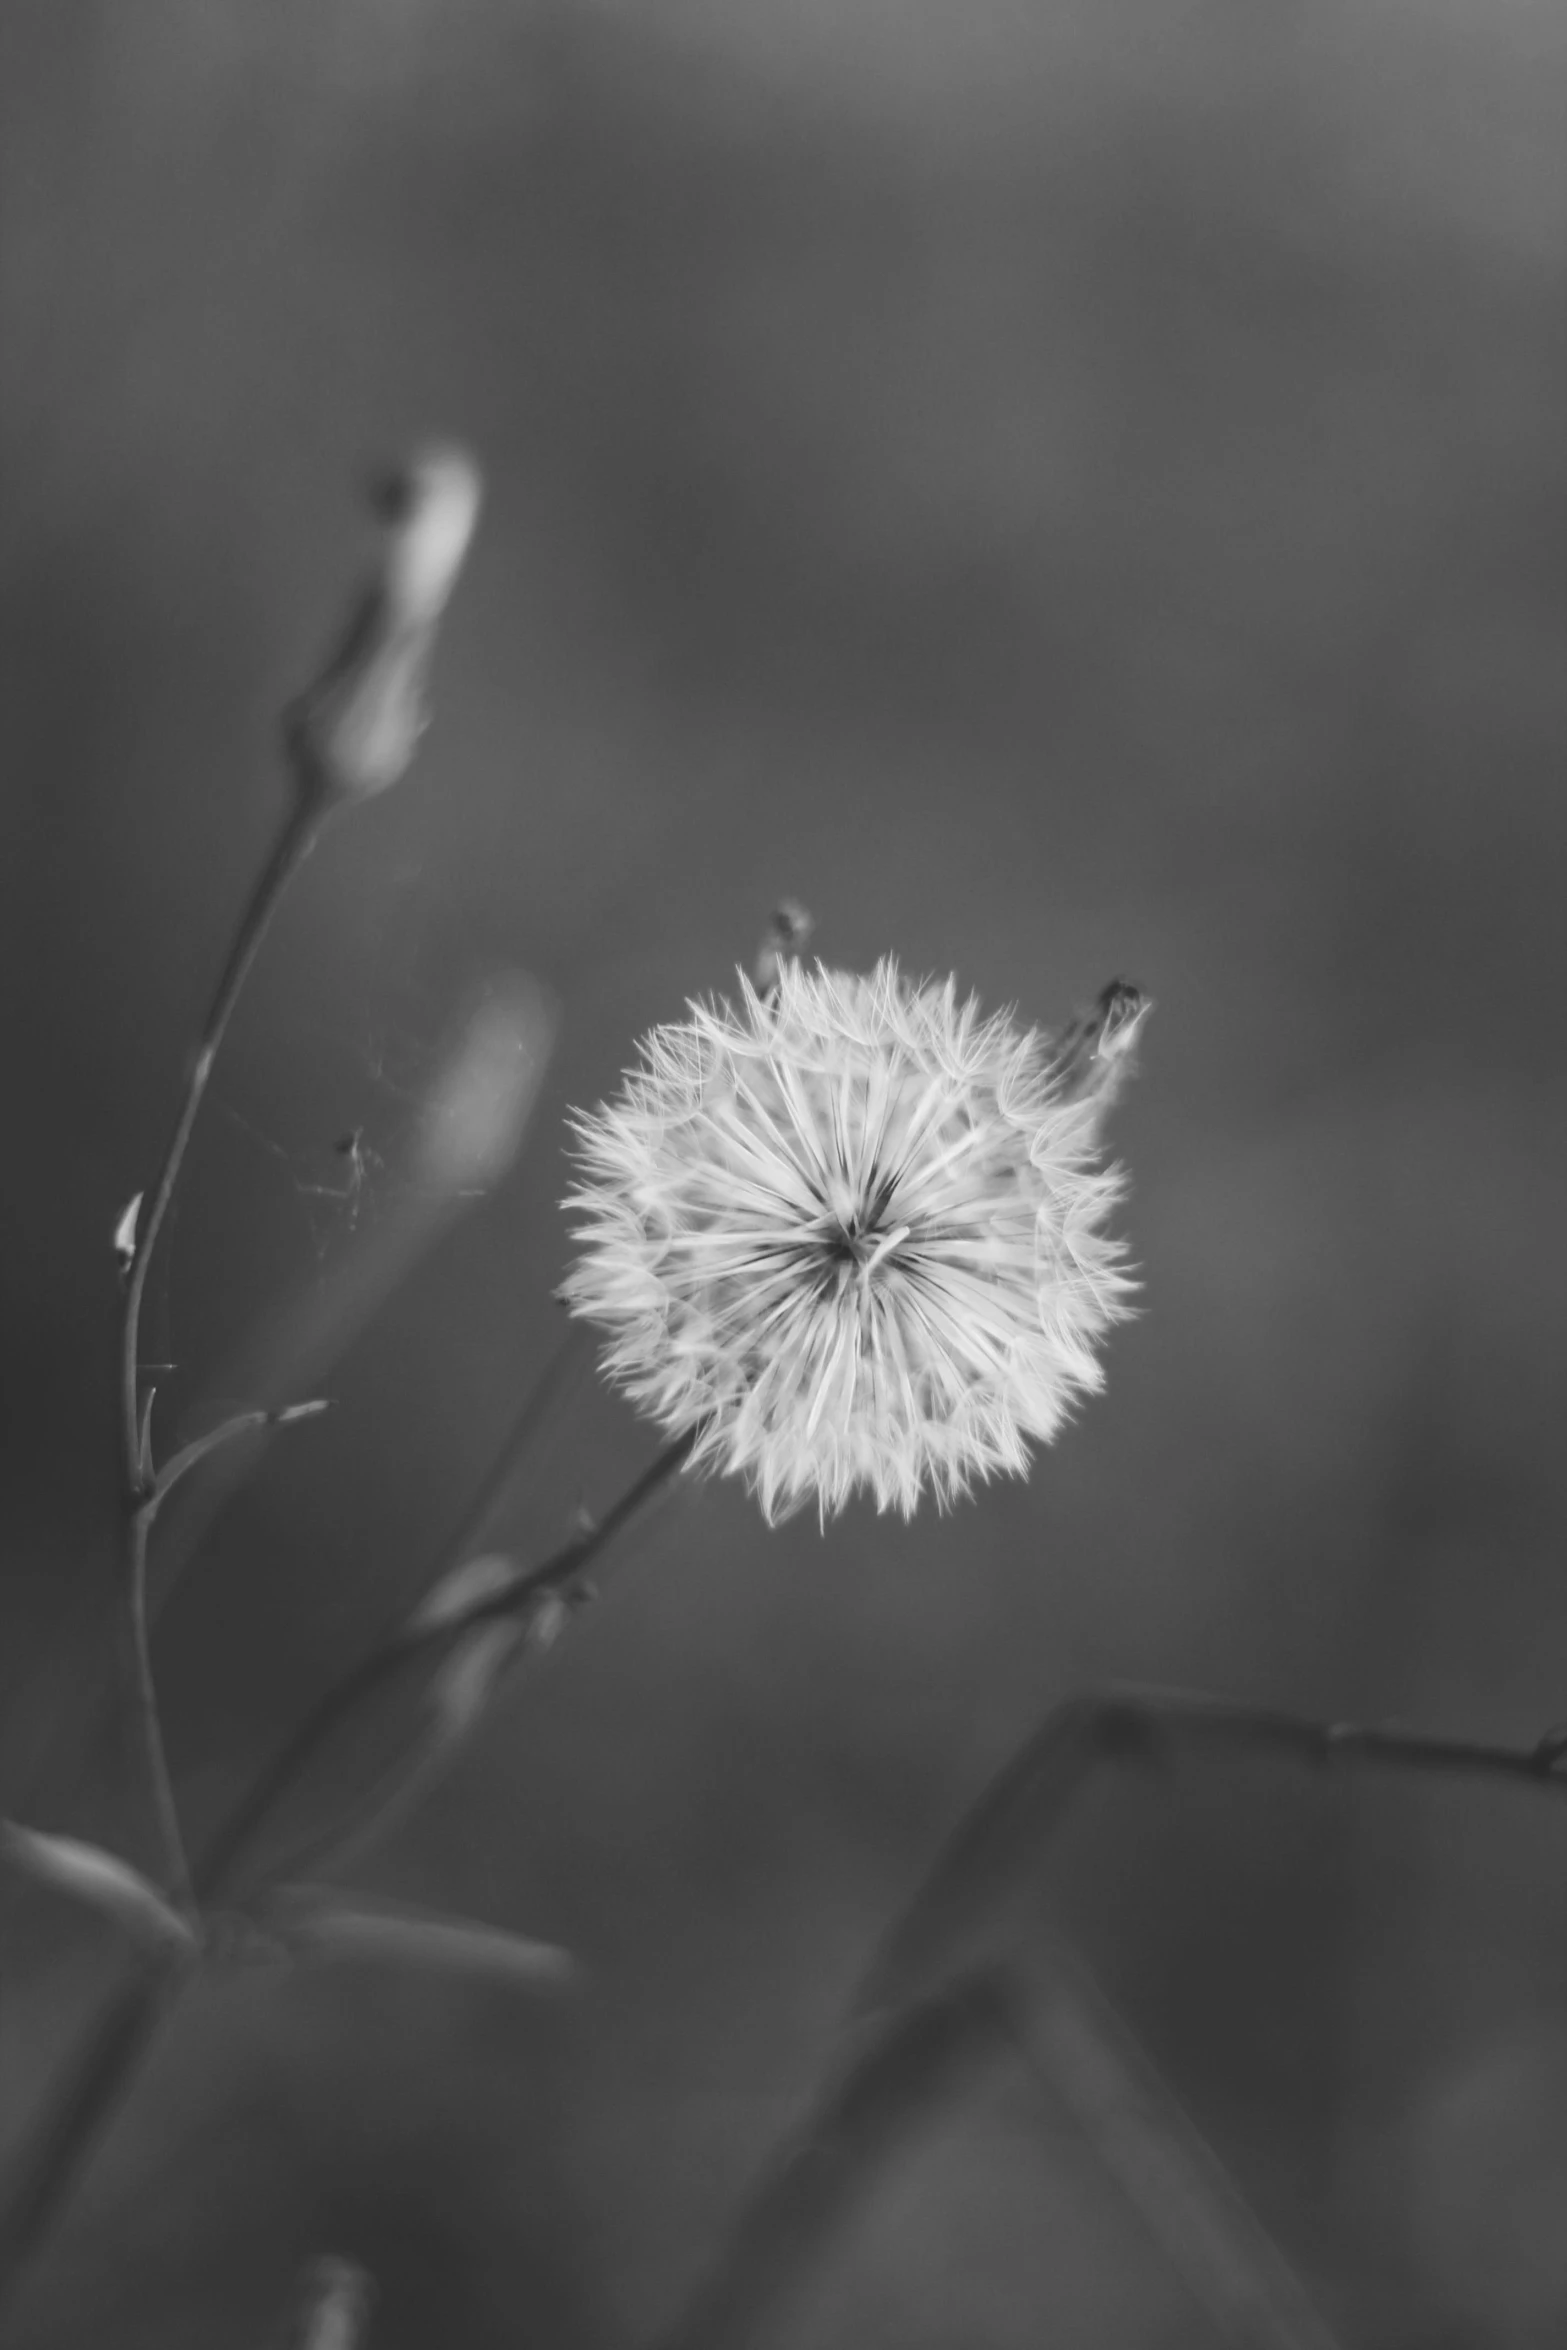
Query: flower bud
{"type": "Point", "coordinates": [785, 936]}
{"type": "Point", "coordinates": [355, 729]}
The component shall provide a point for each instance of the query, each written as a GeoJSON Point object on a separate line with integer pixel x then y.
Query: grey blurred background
{"type": "Point", "coordinates": [1065, 491]}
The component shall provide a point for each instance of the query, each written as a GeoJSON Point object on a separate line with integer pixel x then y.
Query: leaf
{"type": "Point", "coordinates": [102, 1880]}
{"type": "Point", "coordinates": [144, 1436]}
{"type": "Point", "coordinates": [200, 1448]}
{"type": "Point", "coordinates": [462, 1590]}
{"type": "Point", "coordinates": [1086, 2056]}
{"type": "Point", "coordinates": [904, 2071]}
{"type": "Point", "coordinates": [318, 1923]}
{"type": "Point", "coordinates": [999, 1834]}
{"type": "Point", "coordinates": [125, 1233]}
{"type": "Point", "coordinates": [461, 1689]}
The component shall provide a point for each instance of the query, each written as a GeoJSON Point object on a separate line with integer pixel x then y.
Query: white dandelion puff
{"type": "Point", "coordinates": [850, 1233]}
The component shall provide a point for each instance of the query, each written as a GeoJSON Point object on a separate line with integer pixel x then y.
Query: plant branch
{"type": "Point", "coordinates": [520, 1601]}
{"type": "Point", "coordinates": [1005, 1830]}
{"type": "Point", "coordinates": [295, 838]}
{"type": "Point", "coordinates": [108, 2063]}
{"type": "Point", "coordinates": [138, 1476]}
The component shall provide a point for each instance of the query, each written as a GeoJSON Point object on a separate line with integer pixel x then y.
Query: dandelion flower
{"type": "Point", "coordinates": [850, 1233]}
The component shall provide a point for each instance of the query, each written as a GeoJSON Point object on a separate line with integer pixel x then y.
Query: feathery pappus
{"type": "Point", "coordinates": [849, 1232]}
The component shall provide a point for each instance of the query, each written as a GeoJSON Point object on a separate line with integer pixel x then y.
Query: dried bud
{"type": "Point", "coordinates": [1098, 1053]}
{"type": "Point", "coordinates": [786, 934]}
{"type": "Point", "coordinates": [354, 730]}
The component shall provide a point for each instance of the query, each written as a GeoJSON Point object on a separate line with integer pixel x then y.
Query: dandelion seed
{"type": "Point", "coordinates": [849, 1235]}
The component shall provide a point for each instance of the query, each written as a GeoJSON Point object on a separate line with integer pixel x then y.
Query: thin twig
{"type": "Point", "coordinates": [1083, 2055]}
{"type": "Point", "coordinates": [148, 1720]}
{"type": "Point", "coordinates": [1010, 1824]}
{"type": "Point", "coordinates": [138, 1477]}
{"type": "Point", "coordinates": [1138, 2124]}
{"type": "Point", "coordinates": [293, 843]}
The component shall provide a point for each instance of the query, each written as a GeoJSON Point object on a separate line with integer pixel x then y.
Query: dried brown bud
{"type": "Point", "coordinates": [355, 729]}
{"type": "Point", "coordinates": [786, 933]}
{"type": "Point", "coordinates": [1097, 1052]}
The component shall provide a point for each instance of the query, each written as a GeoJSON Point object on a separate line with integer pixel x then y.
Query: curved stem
{"type": "Point", "coordinates": [138, 1479]}
{"type": "Point", "coordinates": [122, 2038]}
{"type": "Point", "coordinates": [288, 851]}
{"type": "Point", "coordinates": [149, 1722]}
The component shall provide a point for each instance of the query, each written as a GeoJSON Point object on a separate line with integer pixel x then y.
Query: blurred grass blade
{"type": "Point", "coordinates": [1087, 2058]}
{"type": "Point", "coordinates": [897, 2080]}
{"type": "Point", "coordinates": [979, 1863]}
{"type": "Point", "coordinates": [316, 1922]}
{"type": "Point", "coordinates": [101, 1880]}
{"type": "Point", "coordinates": [354, 730]}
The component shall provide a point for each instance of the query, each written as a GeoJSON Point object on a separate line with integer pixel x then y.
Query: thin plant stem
{"type": "Point", "coordinates": [561, 1576]}
{"type": "Point", "coordinates": [138, 1478]}
{"type": "Point", "coordinates": [119, 2043]}
{"type": "Point", "coordinates": [149, 1722]}
{"type": "Point", "coordinates": [922, 1956]}
{"type": "Point", "coordinates": [294, 840]}
{"type": "Point", "coordinates": [1082, 2055]}
{"type": "Point", "coordinates": [1009, 1827]}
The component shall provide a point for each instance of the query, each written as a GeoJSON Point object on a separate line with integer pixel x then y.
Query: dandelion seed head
{"type": "Point", "coordinates": [848, 1234]}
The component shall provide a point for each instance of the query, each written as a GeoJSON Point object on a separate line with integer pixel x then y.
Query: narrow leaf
{"type": "Point", "coordinates": [1085, 2054]}
{"type": "Point", "coordinates": [125, 1233]}
{"type": "Point", "coordinates": [144, 1436]}
{"type": "Point", "coordinates": [318, 1923]}
{"type": "Point", "coordinates": [461, 1689]}
{"type": "Point", "coordinates": [902, 2074]}
{"type": "Point", "coordinates": [200, 1448]}
{"type": "Point", "coordinates": [86, 1873]}
{"type": "Point", "coordinates": [1016, 1811]}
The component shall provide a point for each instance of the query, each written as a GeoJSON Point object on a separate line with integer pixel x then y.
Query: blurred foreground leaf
{"type": "Point", "coordinates": [104, 1882]}
{"type": "Point", "coordinates": [896, 2080]}
{"type": "Point", "coordinates": [319, 1923]}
